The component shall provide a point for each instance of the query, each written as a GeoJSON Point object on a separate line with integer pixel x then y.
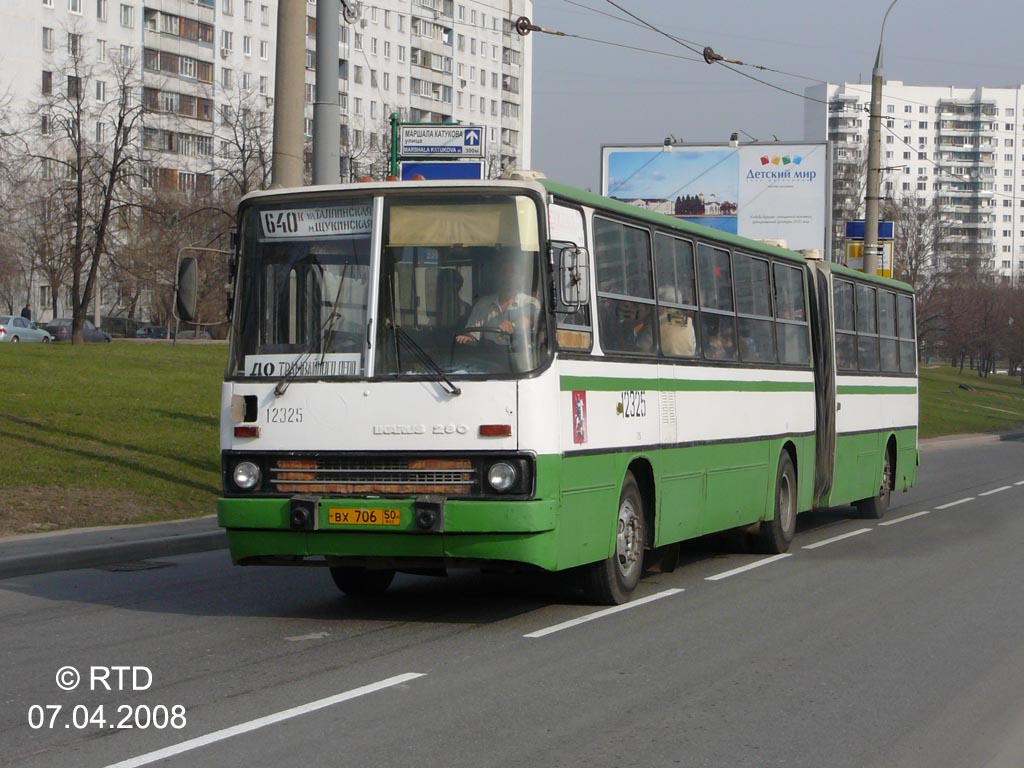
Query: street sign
{"type": "Point", "coordinates": [855, 257]}
{"type": "Point", "coordinates": [440, 140]}
{"type": "Point", "coordinates": [442, 169]}
{"type": "Point", "coordinates": [855, 230]}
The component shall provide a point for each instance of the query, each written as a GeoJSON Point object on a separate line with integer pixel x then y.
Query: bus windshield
{"type": "Point", "coordinates": [303, 290]}
{"type": "Point", "coordinates": [459, 290]}
{"type": "Point", "coordinates": [461, 287]}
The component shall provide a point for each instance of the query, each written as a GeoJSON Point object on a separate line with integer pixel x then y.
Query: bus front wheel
{"type": "Point", "coordinates": [774, 536]}
{"type": "Point", "coordinates": [612, 581]}
{"type": "Point", "coordinates": [362, 582]}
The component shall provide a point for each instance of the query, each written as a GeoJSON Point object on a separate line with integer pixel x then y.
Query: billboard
{"type": "Point", "coordinates": [774, 191]}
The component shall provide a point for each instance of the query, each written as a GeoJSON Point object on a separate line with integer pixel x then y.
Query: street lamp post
{"type": "Point", "coordinates": [873, 192]}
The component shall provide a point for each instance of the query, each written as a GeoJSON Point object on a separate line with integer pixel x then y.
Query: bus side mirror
{"type": "Point", "coordinates": [574, 273]}
{"type": "Point", "coordinates": [187, 288]}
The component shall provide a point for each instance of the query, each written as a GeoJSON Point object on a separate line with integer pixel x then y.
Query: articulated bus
{"type": "Point", "coordinates": [514, 374]}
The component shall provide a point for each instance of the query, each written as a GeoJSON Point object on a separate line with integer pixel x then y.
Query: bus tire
{"type": "Point", "coordinates": [876, 507]}
{"type": "Point", "coordinates": [774, 535]}
{"type": "Point", "coordinates": [612, 581]}
{"type": "Point", "coordinates": [362, 582]}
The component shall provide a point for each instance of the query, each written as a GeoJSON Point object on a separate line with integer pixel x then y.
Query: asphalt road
{"type": "Point", "coordinates": [893, 644]}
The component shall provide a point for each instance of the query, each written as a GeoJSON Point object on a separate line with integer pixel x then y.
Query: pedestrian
{"type": "Point", "coordinates": [26, 311]}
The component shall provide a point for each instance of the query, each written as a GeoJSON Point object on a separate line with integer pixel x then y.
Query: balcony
{"type": "Point", "coordinates": [845, 124]}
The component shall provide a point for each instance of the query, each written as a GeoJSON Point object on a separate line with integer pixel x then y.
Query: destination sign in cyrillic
{"type": "Point", "coordinates": [327, 221]}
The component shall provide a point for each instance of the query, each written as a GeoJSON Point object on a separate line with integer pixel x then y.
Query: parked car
{"type": "Point", "coordinates": [154, 332]}
{"type": "Point", "coordinates": [17, 329]}
{"type": "Point", "coordinates": [194, 335]}
{"type": "Point", "coordinates": [60, 329]}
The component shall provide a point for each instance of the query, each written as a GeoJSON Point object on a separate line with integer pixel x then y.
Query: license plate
{"type": "Point", "coordinates": [362, 516]}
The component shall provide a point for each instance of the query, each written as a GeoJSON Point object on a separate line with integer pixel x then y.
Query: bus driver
{"type": "Point", "coordinates": [508, 309]}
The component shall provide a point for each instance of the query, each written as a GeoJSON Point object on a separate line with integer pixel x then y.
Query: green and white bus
{"type": "Point", "coordinates": [515, 374]}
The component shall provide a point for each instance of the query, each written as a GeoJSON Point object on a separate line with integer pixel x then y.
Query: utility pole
{"type": "Point", "coordinates": [326, 109]}
{"type": "Point", "coordinates": [873, 192]}
{"type": "Point", "coordinates": [289, 93]}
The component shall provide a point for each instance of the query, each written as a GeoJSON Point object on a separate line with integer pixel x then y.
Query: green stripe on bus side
{"type": "Point", "coordinates": [605, 384]}
{"type": "Point", "coordinates": [876, 389]}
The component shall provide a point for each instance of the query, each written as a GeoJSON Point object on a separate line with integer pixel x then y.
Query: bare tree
{"type": "Point", "coordinates": [916, 227]}
{"type": "Point", "coordinates": [243, 161]}
{"type": "Point", "coordinates": [90, 152]}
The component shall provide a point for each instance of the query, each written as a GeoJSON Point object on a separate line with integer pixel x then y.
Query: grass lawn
{"type": "Point", "coordinates": [127, 432]}
{"type": "Point", "coordinates": [949, 408]}
{"type": "Point", "coordinates": [108, 433]}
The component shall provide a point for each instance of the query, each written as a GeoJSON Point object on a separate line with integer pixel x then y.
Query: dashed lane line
{"type": "Point", "coordinates": [996, 490]}
{"type": "Point", "coordinates": [955, 503]}
{"type": "Point", "coordinates": [834, 539]}
{"type": "Point", "coordinates": [601, 614]}
{"type": "Point", "coordinates": [260, 722]}
{"type": "Point", "coordinates": [905, 517]}
{"type": "Point", "coordinates": [748, 567]}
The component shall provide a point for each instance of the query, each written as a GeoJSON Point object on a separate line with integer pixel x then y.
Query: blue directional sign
{"type": "Point", "coordinates": [855, 230]}
{"type": "Point", "coordinates": [444, 169]}
{"type": "Point", "coordinates": [441, 140]}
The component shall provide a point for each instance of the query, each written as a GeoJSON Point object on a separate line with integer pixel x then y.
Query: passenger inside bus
{"type": "Point", "coordinates": [626, 326]}
{"type": "Point", "coordinates": [675, 326]}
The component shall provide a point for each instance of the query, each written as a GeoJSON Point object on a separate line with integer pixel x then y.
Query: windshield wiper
{"type": "Point", "coordinates": [425, 359]}
{"type": "Point", "coordinates": [319, 339]}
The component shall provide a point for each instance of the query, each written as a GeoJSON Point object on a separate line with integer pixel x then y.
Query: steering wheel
{"type": "Point", "coordinates": [483, 329]}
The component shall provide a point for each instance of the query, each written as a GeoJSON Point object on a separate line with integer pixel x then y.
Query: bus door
{"type": "Point", "coordinates": [823, 349]}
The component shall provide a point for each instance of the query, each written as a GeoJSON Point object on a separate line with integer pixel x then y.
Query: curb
{"type": "Point", "coordinates": [72, 558]}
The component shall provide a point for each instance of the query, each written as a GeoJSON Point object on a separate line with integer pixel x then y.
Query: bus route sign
{"type": "Point", "coordinates": [437, 141]}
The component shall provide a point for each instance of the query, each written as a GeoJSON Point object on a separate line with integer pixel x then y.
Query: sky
{"type": "Point", "coordinates": [589, 92]}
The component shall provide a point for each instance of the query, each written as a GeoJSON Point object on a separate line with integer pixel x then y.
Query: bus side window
{"type": "Point", "coordinates": [867, 329]}
{"type": "Point", "coordinates": [791, 316]}
{"type": "Point", "coordinates": [677, 296]}
{"type": "Point", "coordinates": [846, 338]}
{"type": "Point", "coordinates": [625, 287]}
{"type": "Point", "coordinates": [717, 320]}
{"type": "Point", "coordinates": [888, 346]}
{"type": "Point", "coordinates": [908, 347]}
{"type": "Point", "coordinates": [754, 309]}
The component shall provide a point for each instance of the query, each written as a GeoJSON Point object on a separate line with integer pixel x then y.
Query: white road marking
{"type": "Point", "coordinates": [954, 503]}
{"type": "Point", "coordinates": [905, 517]}
{"type": "Point", "coordinates": [310, 636]}
{"type": "Point", "coordinates": [834, 539]}
{"type": "Point", "coordinates": [1019, 482]}
{"type": "Point", "coordinates": [260, 722]}
{"type": "Point", "coordinates": [603, 613]}
{"type": "Point", "coordinates": [996, 490]}
{"type": "Point", "coordinates": [748, 567]}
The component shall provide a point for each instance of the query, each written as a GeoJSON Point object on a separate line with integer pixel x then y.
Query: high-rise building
{"type": "Point", "coordinates": [959, 149]}
{"type": "Point", "coordinates": [432, 61]}
{"type": "Point", "coordinates": [201, 68]}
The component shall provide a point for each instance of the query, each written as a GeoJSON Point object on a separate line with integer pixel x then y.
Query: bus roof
{"type": "Point", "coordinates": [839, 269]}
{"type": "Point", "coordinates": [572, 194]}
{"type": "Point", "coordinates": [617, 206]}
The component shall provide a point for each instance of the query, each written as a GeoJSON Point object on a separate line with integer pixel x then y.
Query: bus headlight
{"type": "Point", "coordinates": [246, 475]}
{"type": "Point", "coordinates": [501, 476]}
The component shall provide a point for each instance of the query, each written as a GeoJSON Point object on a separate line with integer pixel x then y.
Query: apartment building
{"type": "Point", "coordinates": [431, 61]}
{"type": "Point", "coordinates": [197, 65]}
{"type": "Point", "coordinates": [962, 148]}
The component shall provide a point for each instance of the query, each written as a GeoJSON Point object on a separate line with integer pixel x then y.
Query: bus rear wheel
{"type": "Point", "coordinates": [362, 582]}
{"type": "Point", "coordinates": [876, 507]}
{"type": "Point", "coordinates": [774, 536]}
{"type": "Point", "coordinates": [612, 581]}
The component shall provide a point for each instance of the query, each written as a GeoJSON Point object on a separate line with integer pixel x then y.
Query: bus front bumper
{"type": "Point", "coordinates": [339, 531]}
